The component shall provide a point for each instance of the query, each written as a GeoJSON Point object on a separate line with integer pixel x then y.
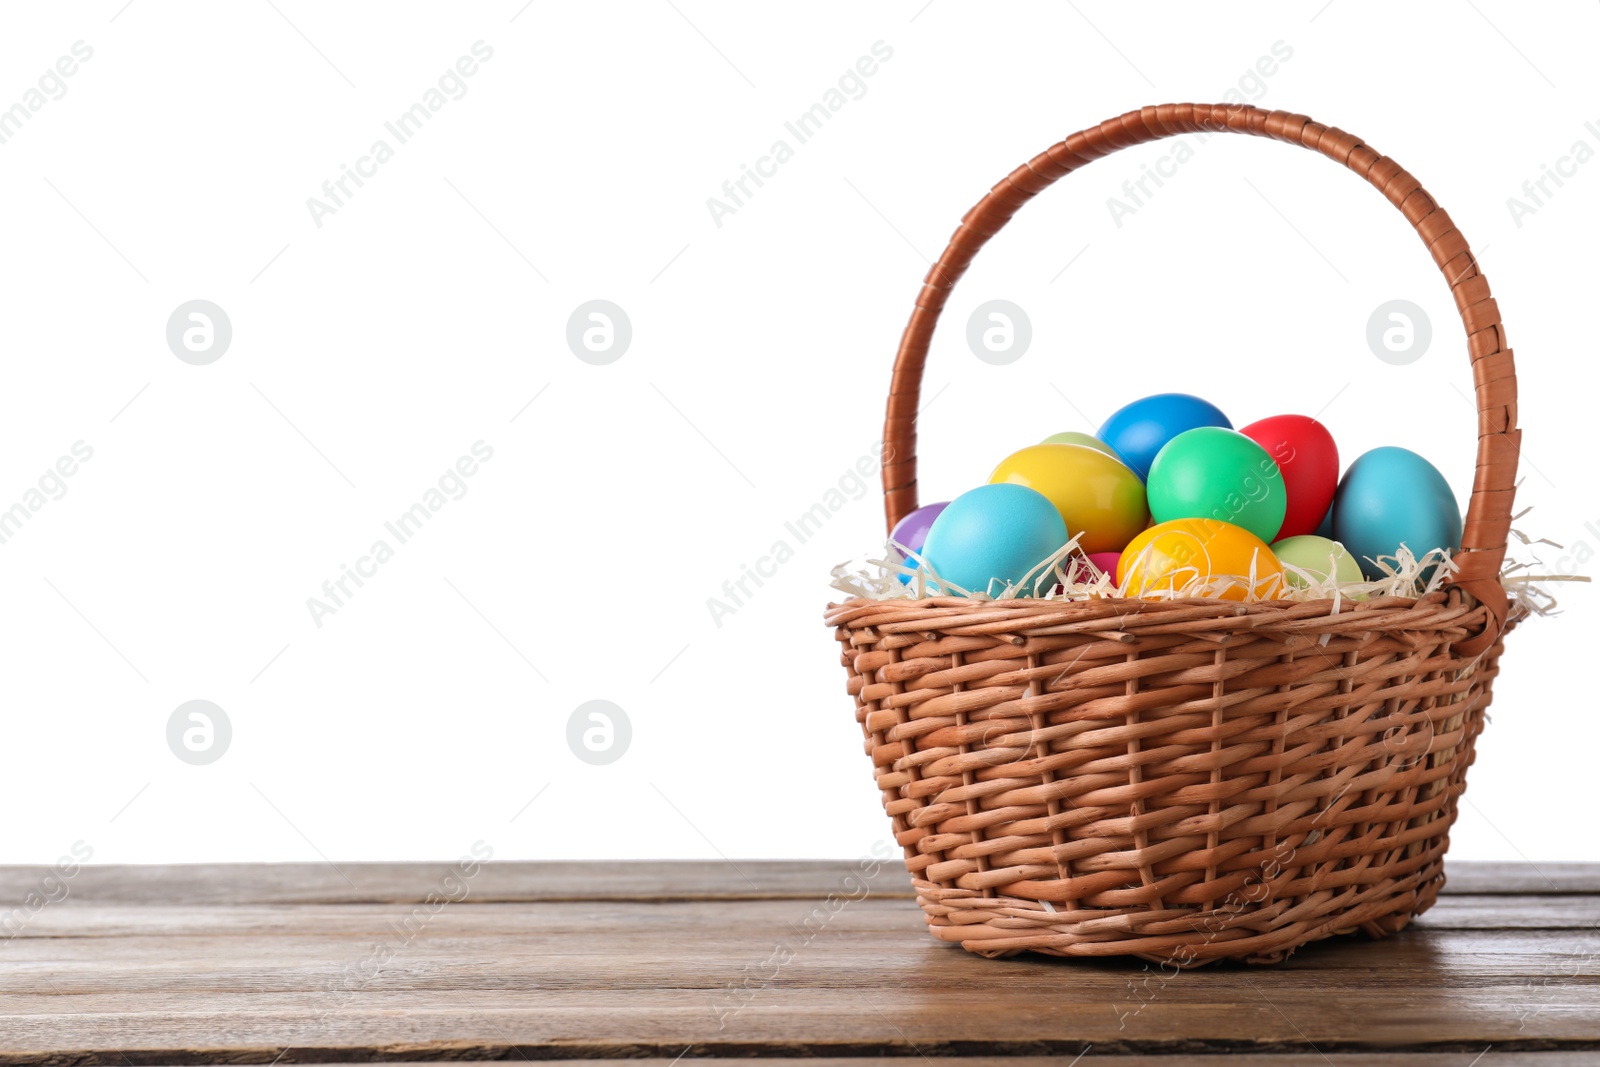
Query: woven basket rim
{"type": "Point", "coordinates": [1462, 599]}
{"type": "Point", "coordinates": [1024, 620]}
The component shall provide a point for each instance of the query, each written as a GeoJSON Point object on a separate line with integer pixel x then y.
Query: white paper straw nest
{"type": "Point", "coordinates": [1059, 576]}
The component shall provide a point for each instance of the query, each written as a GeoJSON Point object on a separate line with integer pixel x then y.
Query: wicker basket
{"type": "Point", "coordinates": [1189, 780]}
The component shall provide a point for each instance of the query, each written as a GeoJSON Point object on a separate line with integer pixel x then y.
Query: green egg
{"type": "Point", "coordinates": [1211, 472]}
{"type": "Point", "coordinates": [1312, 554]}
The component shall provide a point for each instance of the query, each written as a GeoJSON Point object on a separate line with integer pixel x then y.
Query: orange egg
{"type": "Point", "coordinates": [1166, 558]}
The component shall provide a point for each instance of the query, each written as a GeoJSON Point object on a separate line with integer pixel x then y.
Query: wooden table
{"type": "Point", "coordinates": [403, 963]}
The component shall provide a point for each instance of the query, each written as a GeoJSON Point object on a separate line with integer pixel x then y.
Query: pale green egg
{"type": "Point", "coordinates": [1073, 437]}
{"type": "Point", "coordinates": [1317, 556]}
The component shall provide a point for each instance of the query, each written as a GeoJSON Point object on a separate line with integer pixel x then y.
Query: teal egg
{"type": "Point", "coordinates": [995, 531]}
{"type": "Point", "coordinates": [1391, 497]}
{"type": "Point", "coordinates": [1325, 529]}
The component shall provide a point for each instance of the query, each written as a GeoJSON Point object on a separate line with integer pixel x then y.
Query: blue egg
{"type": "Point", "coordinates": [1326, 527]}
{"type": "Point", "coordinates": [1138, 430]}
{"type": "Point", "coordinates": [993, 531]}
{"type": "Point", "coordinates": [1391, 497]}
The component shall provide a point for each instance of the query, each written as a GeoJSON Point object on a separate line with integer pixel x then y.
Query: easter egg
{"type": "Point", "coordinates": [1099, 498]}
{"type": "Point", "coordinates": [1105, 562]}
{"type": "Point", "coordinates": [911, 532]}
{"type": "Point", "coordinates": [1170, 555]}
{"type": "Point", "coordinates": [1391, 497]}
{"type": "Point", "coordinates": [1215, 473]}
{"type": "Point", "coordinates": [1139, 430]}
{"type": "Point", "coordinates": [1317, 556]}
{"type": "Point", "coordinates": [1308, 459]}
{"type": "Point", "coordinates": [992, 532]}
{"type": "Point", "coordinates": [1325, 527]}
{"type": "Point", "coordinates": [1073, 437]}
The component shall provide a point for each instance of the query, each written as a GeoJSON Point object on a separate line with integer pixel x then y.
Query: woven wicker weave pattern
{"type": "Point", "coordinates": [1195, 779]}
{"type": "Point", "coordinates": [1182, 781]}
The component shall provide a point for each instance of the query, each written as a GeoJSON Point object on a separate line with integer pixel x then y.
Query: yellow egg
{"type": "Point", "coordinates": [1100, 499]}
{"type": "Point", "coordinates": [1168, 556]}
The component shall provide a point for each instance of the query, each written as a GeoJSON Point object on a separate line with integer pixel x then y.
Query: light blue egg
{"type": "Point", "coordinates": [993, 531]}
{"type": "Point", "coordinates": [1139, 430]}
{"type": "Point", "coordinates": [1389, 497]}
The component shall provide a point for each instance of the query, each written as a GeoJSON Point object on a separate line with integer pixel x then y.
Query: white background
{"type": "Point", "coordinates": [421, 317]}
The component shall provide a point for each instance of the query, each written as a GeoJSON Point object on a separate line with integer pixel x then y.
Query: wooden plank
{"type": "Point", "coordinates": [499, 881]}
{"type": "Point", "coordinates": [1566, 911]}
{"type": "Point", "coordinates": [627, 979]}
{"type": "Point", "coordinates": [200, 965]}
{"type": "Point", "coordinates": [317, 960]}
{"type": "Point", "coordinates": [85, 919]}
{"type": "Point", "coordinates": [1522, 879]}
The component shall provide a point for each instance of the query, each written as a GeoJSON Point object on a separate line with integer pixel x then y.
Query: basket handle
{"type": "Point", "coordinates": [1488, 520]}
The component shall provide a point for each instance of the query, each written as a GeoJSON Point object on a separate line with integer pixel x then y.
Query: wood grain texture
{"type": "Point", "coordinates": [350, 883]}
{"type": "Point", "coordinates": [240, 964]}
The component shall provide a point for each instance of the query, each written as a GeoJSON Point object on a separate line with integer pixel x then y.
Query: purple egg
{"type": "Point", "coordinates": [912, 531]}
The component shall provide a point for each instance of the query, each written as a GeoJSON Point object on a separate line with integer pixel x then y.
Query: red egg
{"type": "Point", "coordinates": [1306, 454]}
{"type": "Point", "coordinates": [1106, 562]}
